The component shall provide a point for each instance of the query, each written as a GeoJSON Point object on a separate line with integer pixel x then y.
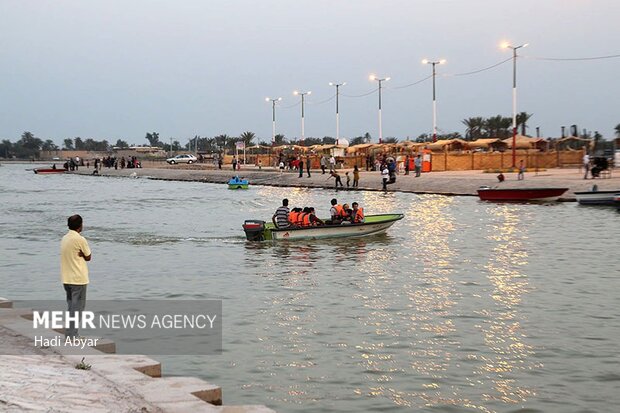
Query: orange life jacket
{"type": "Point", "coordinates": [306, 220]}
{"type": "Point", "coordinates": [340, 212]}
{"type": "Point", "coordinates": [292, 217]}
{"type": "Point", "coordinates": [300, 219]}
{"type": "Point", "coordinates": [359, 215]}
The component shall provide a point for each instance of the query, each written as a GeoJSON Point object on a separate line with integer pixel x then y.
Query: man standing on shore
{"type": "Point", "coordinates": [586, 164]}
{"type": "Point", "coordinates": [417, 162]}
{"type": "Point", "coordinates": [308, 164]}
{"type": "Point", "coordinates": [74, 252]}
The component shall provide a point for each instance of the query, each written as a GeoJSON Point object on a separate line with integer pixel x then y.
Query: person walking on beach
{"type": "Point", "coordinates": [356, 176]}
{"type": "Point", "coordinates": [348, 179]}
{"type": "Point", "coordinates": [234, 163]}
{"type": "Point", "coordinates": [521, 173]}
{"type": "Point", "coordinates": [301, 167]}
{"type": "Point", "coordinates": [323, 163]}
{"type": "Point", "coordinates": [336, 176]}
{"type": "Point", "coordinates": [385, 176]}
{"type": "Point", "coordinates": [332, 164]}
{"type": "Point", "coordinates": [308, 163]}
{"type": "Point", "coordinates": [586, 165]}
{"type": "Point", "coordinates": [74, 253]}
{"type": "Point", "coordinates": [407, 165]}
{"type": "Point", "coordinates": [418, 165]}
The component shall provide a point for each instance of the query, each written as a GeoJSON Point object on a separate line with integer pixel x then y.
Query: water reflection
{"type": "Point", "coordinates": [502, 329]}
{"type": "Point", "coordinates": [411, 308]}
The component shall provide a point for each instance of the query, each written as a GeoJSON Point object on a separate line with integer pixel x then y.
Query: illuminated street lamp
{"type": "Point", "coordinates": [434, 63]}
{"type": "Point", "coordinates": [337, 109]}
{"type": "Point", "coordinates": [514, 98]}
{"type": "Point", "coordinates": [273, 107]}
{"type": "Point", "coordinates": [302, 94]}
{"type": "Point", "coordinates": [379, 80]}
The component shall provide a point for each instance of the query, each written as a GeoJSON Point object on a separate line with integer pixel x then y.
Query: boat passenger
{"type": "Point", "coordinates": [357, 214]}
{"type": "Point", "coordinates": [303, 219]}
{"type": "Point", "coordinates": [336, 212]}
{"type": "Point", "coordinates": [311, 220]}
{"type": "Point", "coordinates": [346, 212]}
{"type": "Point", "coordinates": [293, 216]}
{"type": "Point", "coordinates": [280, 217]}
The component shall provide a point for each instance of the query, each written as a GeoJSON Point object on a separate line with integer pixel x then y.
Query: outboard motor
{"type": "Point", "coordinates": [254, 230]}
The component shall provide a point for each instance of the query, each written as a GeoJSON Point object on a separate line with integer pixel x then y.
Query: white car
{"type": "Point", "coordinates": [182, 159]}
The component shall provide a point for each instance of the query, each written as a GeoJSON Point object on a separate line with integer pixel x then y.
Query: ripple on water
{"type": "Point", "coordinates": [461, 306]}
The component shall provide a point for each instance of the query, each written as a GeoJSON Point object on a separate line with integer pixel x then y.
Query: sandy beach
{"type": "Point", "coordinates": [444, 183]}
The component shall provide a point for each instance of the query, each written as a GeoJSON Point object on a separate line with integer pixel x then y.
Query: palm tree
{"type": "Point", "coordinates": [279, 139]}
{"type": "Point", "coordinates": [498, 126]}
{"type": "Point", "coordinates": [247, 138]}
{"type": "Point", "coordinates": [222, 141]}
{"type": "Point", "coordinates": [522, 119]}
{"type": "Point", "coordinates": [617, 129]}
{"type": "Point", "coordinates": [475, 128]}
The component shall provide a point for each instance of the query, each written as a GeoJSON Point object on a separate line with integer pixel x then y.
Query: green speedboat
{"type": "Point", "coordinates": [373, 224]}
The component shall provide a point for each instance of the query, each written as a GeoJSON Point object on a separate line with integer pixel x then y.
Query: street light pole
{"type": "Point", "coordinates": [302, 94]}
{"type": "Point", "coordinates": [337, 108]}
{"type": "Point", "coordinates": [434, 63]}
{"type": "Point", "coordinates": [514, 99]}
{"type": "Point", "coordinates": [380, 80]}
{"type": "Point", "coordinates": [273, 109]}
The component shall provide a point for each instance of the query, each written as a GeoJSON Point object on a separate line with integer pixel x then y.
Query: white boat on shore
{"type": "Point", "coordinates": [596, 197]}
{"type": "Point", "coordinates": [374, 224]}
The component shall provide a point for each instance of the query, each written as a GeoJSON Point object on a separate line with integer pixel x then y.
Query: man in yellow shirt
{"type": "Point", "coordinates": [74, 252]}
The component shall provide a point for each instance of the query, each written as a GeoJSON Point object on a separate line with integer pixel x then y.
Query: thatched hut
{"type": "Point", "coordinates": [526, 142]}
{"type": "Point", "coordinates": [447, 145]}
{"type": "Point", "coordinates": [573, 143]}
{"type": "Point", "coordinates": [488, 145]}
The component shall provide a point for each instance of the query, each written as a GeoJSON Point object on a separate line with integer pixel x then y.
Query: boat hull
{"type": "Point", "coordinates": [521, 194]}
{"type": "Point", "coordinates": [597, 197]}
{"type": "Point", "coordinates": [238, 186]}
{"type": "Point", "coordinates": [375, 224]}
{"type": "Point", "coordinates": [42, 171]}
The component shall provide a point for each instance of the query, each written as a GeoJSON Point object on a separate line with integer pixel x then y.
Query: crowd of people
{"type": "Point", "coordinates": [306, 217]}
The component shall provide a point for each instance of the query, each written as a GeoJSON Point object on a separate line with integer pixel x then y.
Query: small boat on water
{"type": "Point", "coordinates": [49, 171]}
{"type": "Point", "coordinates": [596, 197]}
{"type": "Point", "coordinates": [373, 224]}
{"type": "Point", "coordinates": [238, 183]}
{"type": "Point", "coordinates": [520, 194]}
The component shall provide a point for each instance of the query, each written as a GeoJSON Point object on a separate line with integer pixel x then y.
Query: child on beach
{"type": "Point", "coordinates": [348, 179]}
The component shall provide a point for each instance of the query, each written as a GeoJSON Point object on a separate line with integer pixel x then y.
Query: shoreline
{"type": "Point", "coordinates": [451, 183]}
{"type": "Point", "coordinates": [46, 377]}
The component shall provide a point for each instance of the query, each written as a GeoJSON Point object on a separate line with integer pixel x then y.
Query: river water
{"type": "Point", "coordinates": [461, 306]}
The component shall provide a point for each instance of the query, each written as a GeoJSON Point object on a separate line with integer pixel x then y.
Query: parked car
{"type": "Point", "coordinates": [182, 159]}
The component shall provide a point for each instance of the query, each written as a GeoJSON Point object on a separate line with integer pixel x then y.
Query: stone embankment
{"type": "Point", "coordinates": [443, 183]}
{"type": "Point", "coordinates": [46, 379]}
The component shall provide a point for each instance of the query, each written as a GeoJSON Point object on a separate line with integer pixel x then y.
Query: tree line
{"type": "Point", "coordinates": [29, 146]}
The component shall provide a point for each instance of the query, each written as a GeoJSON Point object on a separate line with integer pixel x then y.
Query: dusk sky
{"type": "Point", "coordinates": [119, 69]}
